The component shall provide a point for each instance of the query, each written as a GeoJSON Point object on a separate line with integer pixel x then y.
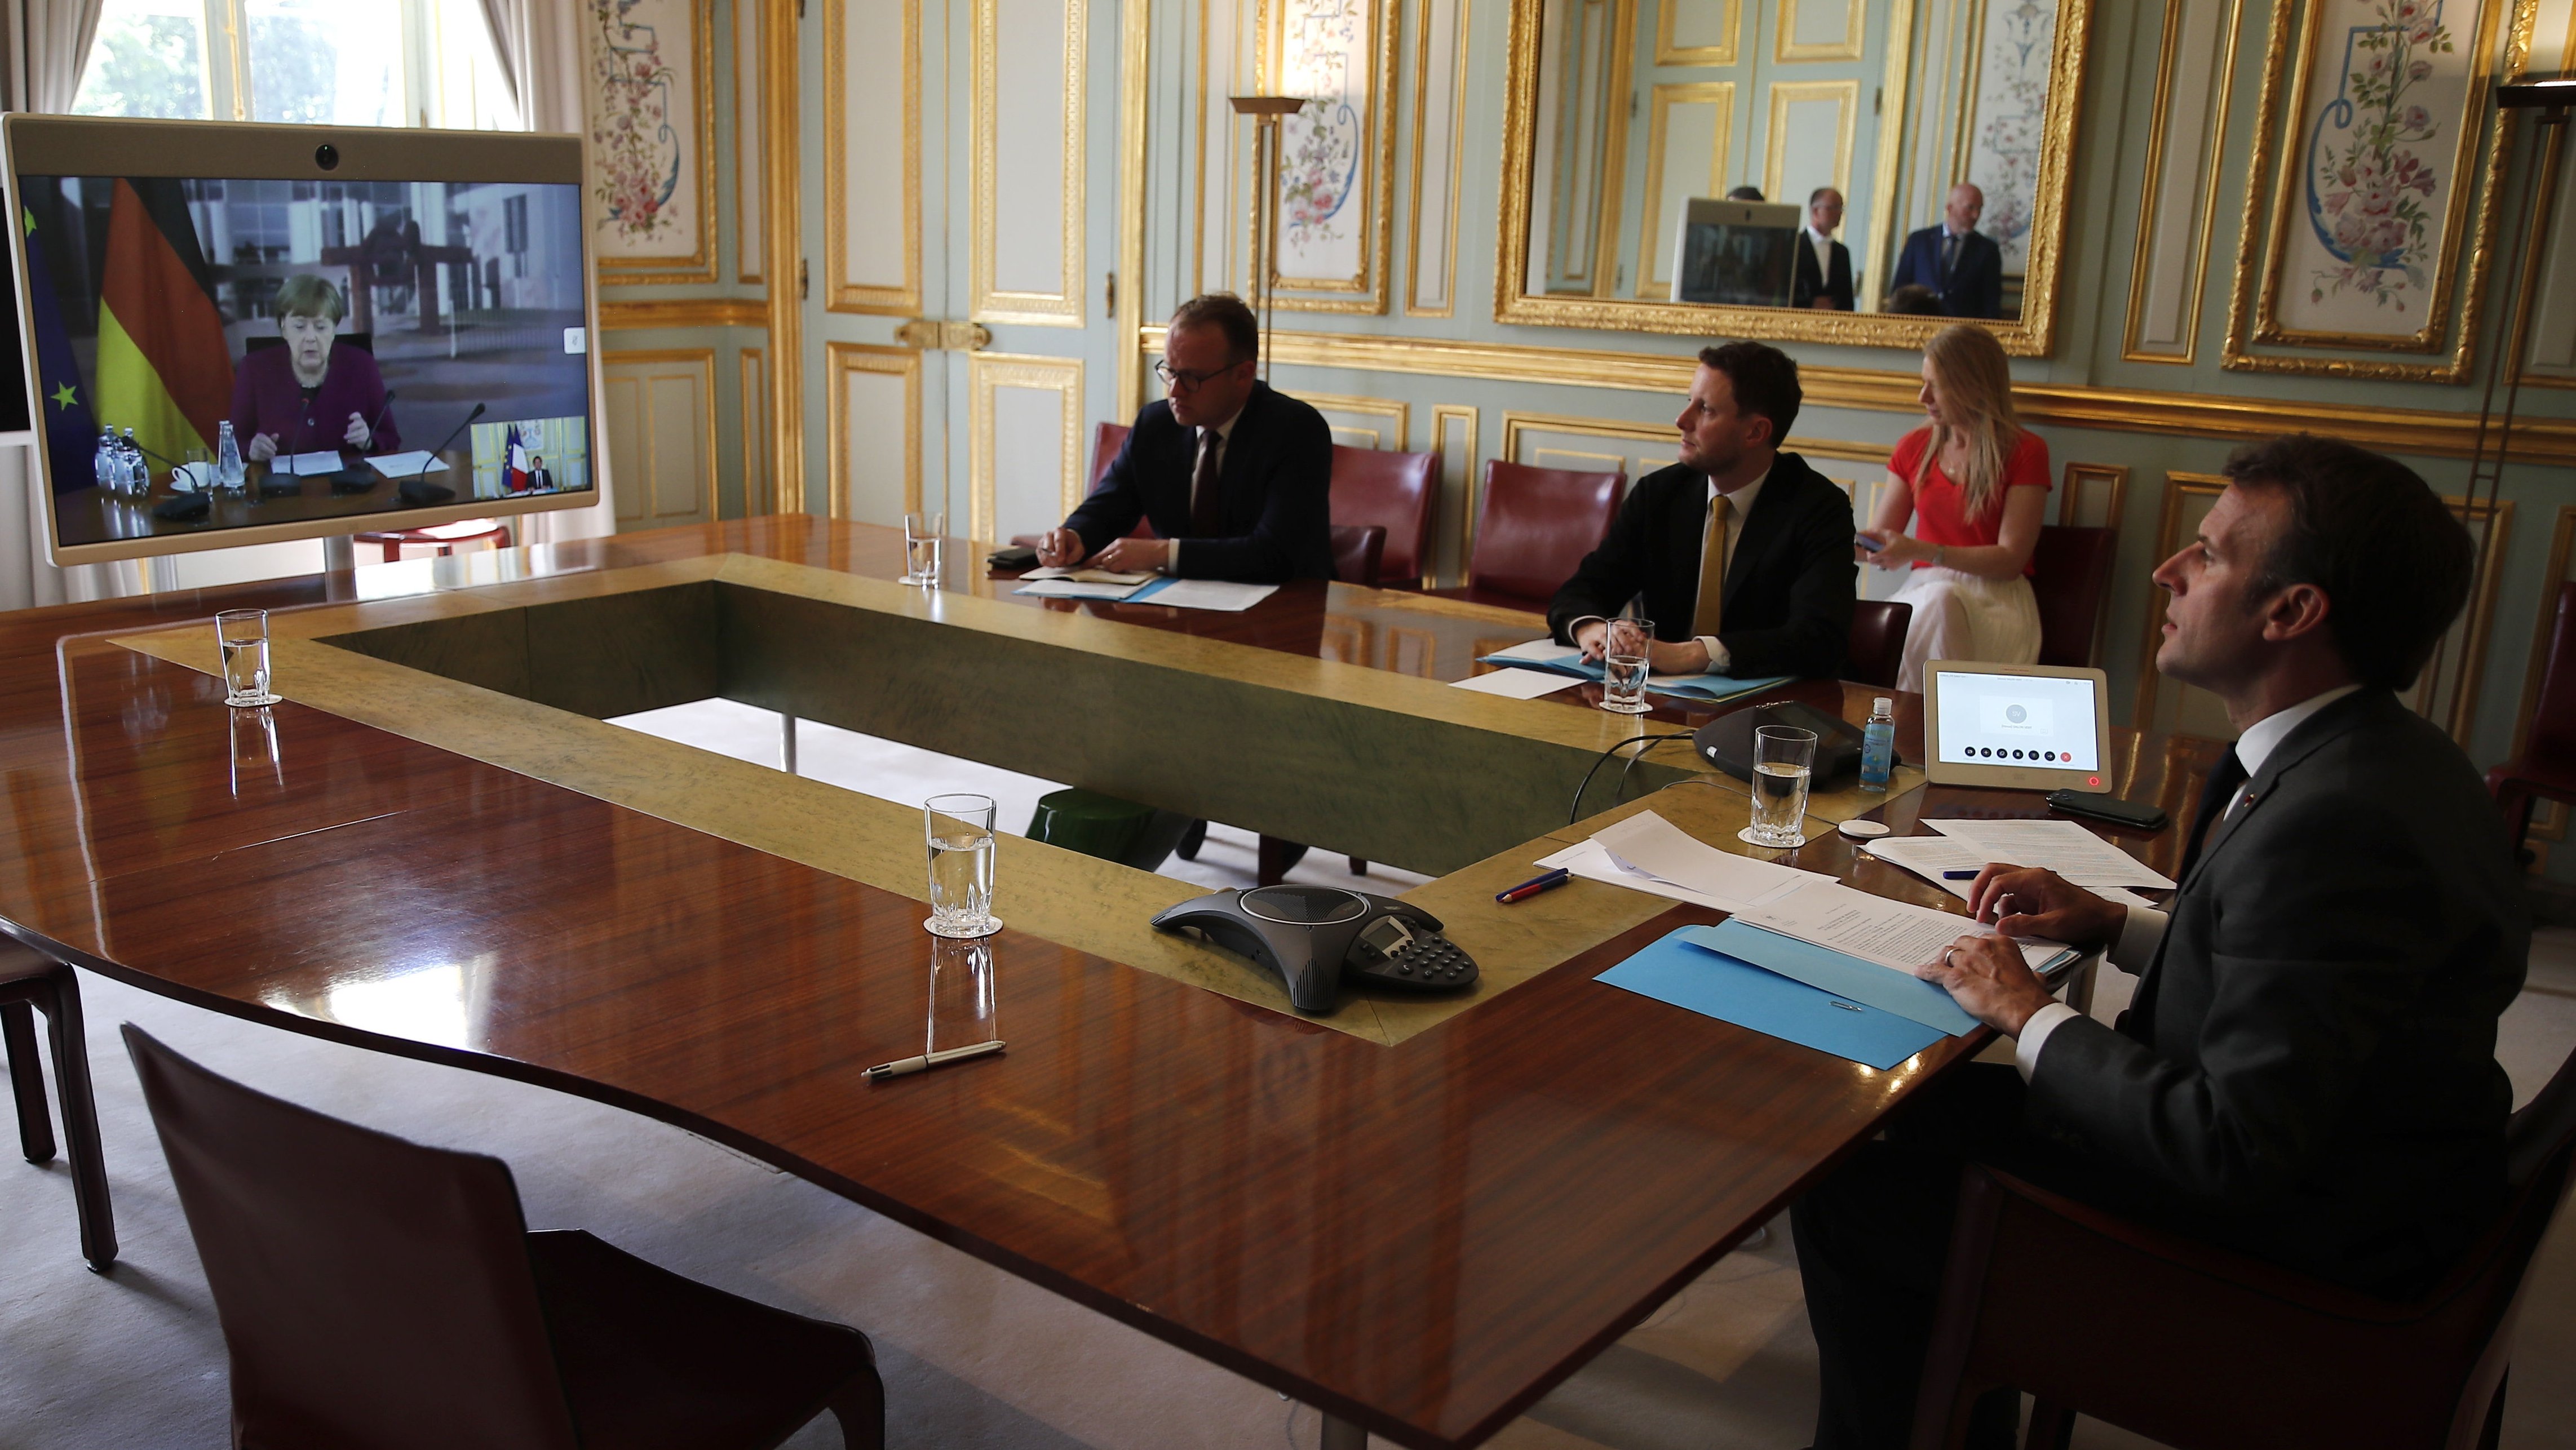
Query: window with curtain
{"type": "Point", "coordinates": [314, 62]}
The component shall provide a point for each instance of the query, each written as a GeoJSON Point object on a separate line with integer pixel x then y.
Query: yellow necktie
{"type": "Point", "coordinates": [1712, 570]}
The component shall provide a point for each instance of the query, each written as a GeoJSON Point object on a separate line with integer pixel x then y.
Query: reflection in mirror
{"type": "Point", "coordinates": [1810, 154]}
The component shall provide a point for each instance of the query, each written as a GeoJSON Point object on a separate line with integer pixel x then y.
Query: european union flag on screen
{"type": "Point", "coordinates": [71, 429]}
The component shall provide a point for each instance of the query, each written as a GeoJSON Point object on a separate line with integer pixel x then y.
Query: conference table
{"type": "Point", "coordinates": [1416, 1215]}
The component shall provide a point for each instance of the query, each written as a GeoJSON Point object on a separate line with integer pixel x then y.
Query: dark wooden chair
{"type": "Point", "coordinates": [1400, 491]}
{"type": "Point", "coordinates": [1359, 554]}
{"type": "Point", "coordinates": [2071, 577]}
{"type": "Point", "coordinates": [376, 1292]}
{"type": "Point", "coordinates": [2199, 1348]}
{"type": "Point", "coordinates": [1533, 526]}
{"type": "Point", "coordinates": [1877, 648]}
{"type": "Point", "coordinates": [30, 983]}
{"type": "Point", "coordinates": [2546, 768]}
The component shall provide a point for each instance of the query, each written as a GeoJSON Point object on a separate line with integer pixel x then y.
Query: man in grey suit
{"type": "Point", "coordinates": [2307, 1071]}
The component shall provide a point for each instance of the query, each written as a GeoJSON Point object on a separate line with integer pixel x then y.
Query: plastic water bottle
{"type": "Point", "coordinates": [1878, 745]}
{"type": "Point", "coordinates": [138, 474]}
{"type": "Point", "coordinates": [105, 466]}
{"type": "Point", "coordinates": [228, 460]}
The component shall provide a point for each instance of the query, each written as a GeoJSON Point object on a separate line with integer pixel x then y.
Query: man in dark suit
{"type": "Point", "coordinates": [2307, 1072]}
{"type": "Point", "coordinates": [1741, 553]}
{"type": "Point", "coordinates": [541, 479]}
{"type": "Point", "coordinates": [1824, 265]}
{"type": "Point", "coordinates": [1235, 478]}
{"type": "Point", "coordinates": [1962, 265]}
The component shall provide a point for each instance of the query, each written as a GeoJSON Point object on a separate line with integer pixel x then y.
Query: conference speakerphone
{"type": "Point", "coordinates": [2033, 727]}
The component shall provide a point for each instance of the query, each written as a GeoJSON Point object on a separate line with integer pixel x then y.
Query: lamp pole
{"type": "Point", "coordinates": [1266, 113]}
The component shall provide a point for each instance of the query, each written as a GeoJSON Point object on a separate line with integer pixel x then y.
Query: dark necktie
{"type": "Point", "coordinates": [1203, 488]}
{"type": "Point", "coordinates": [2215, 793]}
{"type": "Point", "coordinates": [1949, 257]}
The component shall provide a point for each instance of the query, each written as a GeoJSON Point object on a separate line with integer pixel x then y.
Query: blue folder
{"type": "Point", "coordinates": [1838, 973]}
{"type": "Point", "coordinates": [1701, 979]}
{"type": "Point", "coordinates": [1697, 687]}
{"type": "Point", "coordinates": [1140, 596]}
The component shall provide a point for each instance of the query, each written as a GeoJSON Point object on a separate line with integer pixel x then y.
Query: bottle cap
{"type": "Point", "coordinates": [1883, 706]}
{"type": "Point", "coordinates": [1860, 830]}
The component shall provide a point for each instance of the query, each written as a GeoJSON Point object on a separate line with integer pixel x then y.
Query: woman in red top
{"type": "Point", "coordinates": [1976, 483]}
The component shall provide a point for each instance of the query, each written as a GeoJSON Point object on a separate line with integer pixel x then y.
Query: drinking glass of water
{"type": "Point", "coordinates": [1624, 667]}
{"type": "Point", "coordinates": [960, 831]}
{"type": "Point", "coordinates": [242, 634]}
{"type": "Point", "coordinates": [921, 547]}
{"type": "Point", "coordinates": [1782, 758]}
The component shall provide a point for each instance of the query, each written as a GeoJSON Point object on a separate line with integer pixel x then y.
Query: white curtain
{"type": "Point", "coordinates": [47, 47]}
{"type": "Point", "coordinates": [541, 45]}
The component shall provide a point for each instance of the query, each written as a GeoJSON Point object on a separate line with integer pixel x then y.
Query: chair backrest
{"type": "Point", "coordinates": [1396, 490]}
{"type": "Point", "coordinates": [1877, 648]}
{"type": "Point", "coordinates": [2553, 725]}
{"type": "Point", "coordinates": [1534, 525]}
{"type": "Point", "coordinates": [1359, 553]}
{"type": "Point", "coordinates": [371, 1291]}
{"type": "Point", "coordinates": [2071, 578]}
{"type": "Point", "coordinates": [1106, 440]}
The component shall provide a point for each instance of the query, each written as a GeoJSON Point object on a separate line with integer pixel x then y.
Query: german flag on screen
{"type": "Point", "coordinates": [164, 369]}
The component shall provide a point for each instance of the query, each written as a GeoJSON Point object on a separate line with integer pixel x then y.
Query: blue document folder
{"type": "Point", "coordinates": [1697, 687]}
{"type": "Point", "coordinates": [1689, 975]}
{"type": "Point", "coordinates": [1839, 973]}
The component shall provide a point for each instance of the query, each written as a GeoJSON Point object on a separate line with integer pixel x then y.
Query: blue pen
{"type": "Point", "coordinates": [1968, 875]}
{"type": "Point", "coordinates": [1534, 886]}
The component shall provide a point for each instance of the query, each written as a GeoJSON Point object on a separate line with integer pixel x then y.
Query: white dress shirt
{"type": "Point", "coordinates": [1823, 245]}
{"type": "Point", "coordinates": [2144, 929]}
{"type": "Point", "coordinates": [1741, 502]}
{"type": "Point", "coordinates": [1224, 430]}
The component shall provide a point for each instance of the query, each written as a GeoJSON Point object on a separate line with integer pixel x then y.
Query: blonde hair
{"type": "Point", "coordinates": [305, 295]}
{"type": "Point", "coordinates": [1974, 385]}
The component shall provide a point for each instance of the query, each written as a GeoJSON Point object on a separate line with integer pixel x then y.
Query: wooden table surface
{"type": "Point", "coordinates": [1420, 1238]}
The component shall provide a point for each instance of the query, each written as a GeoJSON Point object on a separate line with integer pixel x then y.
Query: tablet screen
{"type": "Point", "coordinates": [2027, 720]}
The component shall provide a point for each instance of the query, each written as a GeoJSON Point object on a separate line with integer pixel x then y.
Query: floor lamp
{"type": "Point", "coordinates": [1266, 113]}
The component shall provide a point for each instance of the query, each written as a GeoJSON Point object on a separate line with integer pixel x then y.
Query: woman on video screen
{"type": "Point", "coordinates": [308, 395]}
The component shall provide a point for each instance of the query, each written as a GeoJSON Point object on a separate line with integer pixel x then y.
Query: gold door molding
{"type": "Point", "coordinates": [841, 293]}
{"type": "Point", "coordinates": [1786, 49]}
{"type": "Point", "coordinates": [1667, 52]}
{"type": "Point", "coordinates": [1442, 264]}
{"type": "Point", "coordinates": [755, 427]}
{"type": "Point", "coordinates": [749, 128]}
{"type": "Point", "coordinates": [1846, 98]}
{"type": "Point", "coordinates": [840, 359]}
{"type": "Point", "coordinates": [2179, 487]}
{"type": "Point", "coordinates": [1128, 312]}
{"type": "Point", "coordinates": [683, 312]}
{"type": "Point", "coordinates": [987, 372]}
{"type": "Point", "coordinates": [1720, 94]}
{"type": "Point", "coordinates": [641, 369]}
{"type": "Point", "coordinates": [1461, 464]}
{"type": "Point", "coordinates": [785, 373]}
{"type": "Point", "coordinates": [2082, 480]}
{"type": "Point", "coordinates": [1062, 307]}
{"type": "Point", "coordinates": [2152, 188]}
{"type": "Point", "coordinates": [1398, 415]}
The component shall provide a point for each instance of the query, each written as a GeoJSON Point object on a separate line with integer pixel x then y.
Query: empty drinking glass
{"type": "Point", "coordinates": [1624, 666]}
{"type": "Point", "coordinates": [1782, 757]}
{"type": "Point", "coordinates": [242, 635]}
{"type": "Point", "coordinates": [960, 833]}
{"type": "Point", "coordinates": [921, 547]}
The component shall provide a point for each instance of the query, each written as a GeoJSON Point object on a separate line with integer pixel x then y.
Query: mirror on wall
{"type": "Point", "coordinates": [1839, 170]}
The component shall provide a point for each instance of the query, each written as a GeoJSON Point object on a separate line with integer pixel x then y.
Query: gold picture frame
{"type": "Point", "coordinates": [1368, 292]}
{"type": "Point", "coordinates": [653, 268]}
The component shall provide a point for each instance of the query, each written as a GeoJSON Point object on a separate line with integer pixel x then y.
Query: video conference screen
{"type": "Point", "coordinates": [2018, 720]}
{"type": "Point", "coordinates": [224, 354]}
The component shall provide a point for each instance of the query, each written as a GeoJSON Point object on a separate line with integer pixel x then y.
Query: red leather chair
{"type": "Point", "coordinates": [2546, 769]}
{"type": "Point", "coordinates": [1533, 526]}
{"type": "Point", "coordinates": [1399, 491]}
{"type": "Point", "coordinates": [1359, 552]}
{"type": "Point", "coordinates": [2071, 576]}
{"type": "Point", "coordinates": [2199, 1348]}
{"type": "Point", "coordinates": [1877, 647]}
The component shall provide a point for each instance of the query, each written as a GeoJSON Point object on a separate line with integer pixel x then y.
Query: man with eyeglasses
{"type": "Point", "coordinates": [1233, 477]}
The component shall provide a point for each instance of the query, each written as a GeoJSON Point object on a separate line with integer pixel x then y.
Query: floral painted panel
{"type": "Point", "coordinates": [2018, 42]}
{"type": "Point", "coordinates": [1327, 53]}
{"type": "Point", "coordinates": [651, 201]}
{"type": "Point", "coordinates": [2372, 161]}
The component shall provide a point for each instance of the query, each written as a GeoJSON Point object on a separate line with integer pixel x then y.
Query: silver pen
{"type": "Point", "coordinates": [903, 1066]}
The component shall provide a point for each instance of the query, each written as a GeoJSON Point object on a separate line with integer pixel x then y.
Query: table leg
{"type": "Point", "coordinates": [787, 743]}
{"type": "Point", "coordinates": [1341, 1434]}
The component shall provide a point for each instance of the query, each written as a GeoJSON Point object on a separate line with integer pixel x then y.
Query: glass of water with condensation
{"type": "Point", "coordinates": [959, 829]}
{"type": "Point", "coordinates": [242, 635]}
{"type": "Point", "coordinates": [921, 534]}
{"type": "Point", "coordinates": [1624, 666]}
{"type": "Point", "coordinates": [1782, 758]}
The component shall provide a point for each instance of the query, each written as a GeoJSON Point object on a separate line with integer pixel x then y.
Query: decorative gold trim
{"type": "Point", "coordinates": [2030, 335]}
{"type": "Point", "coordinates": [683, 312]}
{"type": "Point", "coordinates": [1377, 245]}
{"type": "Point", "coordinates": [841, 359]}
{"type": "Point", "coordinates": [755, 429]}
{"type": "Point", "coordinates": [1650, 225]}
{"type": "Point", "coordinates": [840, 294]}
{"type": "Point", "coordinates": [1784, 94]}
{"type": "Point", "coordinates": [2114, 476]}
{"type": "Point", "coordinates": [1398, 415]}
{"type": "Point", "coordinates": [1615, 125]}
{"type": "Point", "coordinates": [700, 265]}
{"type": "Point", "coordinates": [1136, 30]}
{"type": "Point", "coordinates": [1667, 53]}
{"type": "Point", "coordinates": [2142, 713]}
{"type": "Point", "coordinates": [1457, 121]}
{"type": "Point", "coordinates": [746, 143]}
{"type": "Point", "coordinates": [2551, 152]}
{"type": "Point", "coordinates": [2250, 316]}
{"type": "Point", "coordinates": [1788, 51]}
{"type": "Point", "coordinates": [785, 238]}
{"type": "Point", "coordinates": [1866, 269]}
{"type": "Point", "coordinates": [1064, 306]}
{"type": "Point", "coordinates": [1442, 415]}
{"type": "Point", "coordinates": [2150, 201]}
{"type": "Point", "coordinates": [705, 358]}
{"type": "Point", "coordinates": [2414, 432]}
{"type": "Point", "coordinates": [987, 371]}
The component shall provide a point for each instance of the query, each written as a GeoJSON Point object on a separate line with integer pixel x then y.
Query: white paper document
{"type": "Point", "coordinates": [1086, 576]}
{"type": "Point", "coordinates": [2061, 846]}
{"type": "Point", "coordinates": [392, 465]}
{"type": "Point", "coordinates": [302, 464]}
{"type": "Point", "coordinates": [1517, 684]}
{"type": "Point", "coordinates": [1073, 589]}
{"type": "Point", "coordinates": [1592, 861]}
{"type": "Point", "coordinates": [1929, 856]}
{"type": "Point", "coordinates": [1539, 652]}
{"type": "Point", "coordinates": [1646, 844]}
{"type": "Point", "coordinates": [1211, 594]}
{"type": "Point", "coordinates": [1894, 934]}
